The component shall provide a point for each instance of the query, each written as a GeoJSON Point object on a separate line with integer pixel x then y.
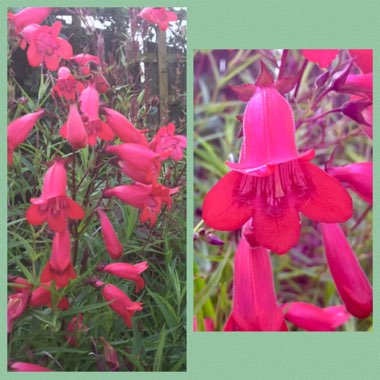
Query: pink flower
{"type": "Point", "coordinates": [254, 305]}
{"type": "Point", "coordinates": [84, 61]}
{"type": "Point", "coordinates": [349, 278]}
{"type": "Point", "coordinates": [158, 16]}
{"type": "Point", "coordinates": [148, 198]}
{"type": "Point", "coordinates": [138, 162]}
{"type": "Point", "coordinates": [46, 47]}
{"type": "Point", "coordinates": [273, 183]}
{"type": "Point", "coordinates": [111, 241]}
{"type": "Point", "coordinates": [41, 296]}
{"type": "Point", "coordinates": [28, 367]}
{"type": "Point", "coordinates": [74, 130]}
{"type": "Point", "coordinates": [28, 16]}
{"type": "Point", "coordinates": [54, 206]}
{"type": "Point", "coordinates": [322, 57]}
{"type": "Point", "coordinates": [59, 268]}
{"type": "Point", "coordinates": [313, 318]}
{"type": "Point", "coordinates": [357, 176]}
{"type": "Point", "coordinates": [166, 141]}
{"type": "Point", "coordinates": [19, 130]}
{"type": "Point", "coordinates": [120, 302]}
{"type": "Point", "coordinates": [17, 303]}
{"type": "Point", "coordinates": [363, 59]}
{"type": "Point", "coordinates": [123, 128]}
{"type": "Point", "coordinates": [66, 86]}
{"type": "Point", "coordinates": [74, 328]}
{"type": "Point", "coordinates": [128, 272]}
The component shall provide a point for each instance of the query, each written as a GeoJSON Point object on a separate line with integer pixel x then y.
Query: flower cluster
{"type": "Point", "coordinates": [273, 183]}
{"type": "Point", "coordinates": [77, 92]}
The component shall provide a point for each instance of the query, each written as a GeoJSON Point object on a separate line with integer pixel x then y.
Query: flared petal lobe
{"type": "Point", "coordinates": [254, 301]}
{"type": "Point", "coordinates": [350, 280]}
{"type": "Point", "coordinates": [111, 241]}
{"type": "Point", "coordinates": [313, 318]}
{"type": "Point", "coordinates": [322, 57]}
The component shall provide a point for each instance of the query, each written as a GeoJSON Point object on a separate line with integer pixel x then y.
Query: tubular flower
{"type": "Point", "coordinates": [254, 305]}
{"type": "Point", "coordinates": [111, 241]}
{"type": "Point", "coordinates": [84, 61]}
{"type": "Point", "coordinates": [272, 182]}
{"type": "Point", "coordinates": [148, 198]}
{"type": "Point", "coordinates": [357, 176]}
{"type": "Point", "coordinates": [313, 318]}
{"type": "Point", "coordinates": [350, 280]}
{"type": "Point", "coordinates": [89, 106]}
{"type": "Point", "coordinates": [41, 296]}
{"type": "Point", "coordinates": [28, 367]}
{"type": "Point", "coordinates": [363, 59]}
{"type": "Point", "coordinates": [128, 272]}
{"type": "Point", "coordinates": [74, 130]}
{"type": "Point", "coordinates": [17, 303]}
{"type": "Point", "coordinates": [19, 130]}
{"type": "Point", "coordinates": [28, 16]}
{"type": "Point", "coordinates": [322, 57]}
{"type": "Point", "coordinates": [123, 128]}
{"type": "Point", "coordinates": [166, 141]}
{"type": "Point", "coordinates": [54, 206]}
{"type": "Point", "coordinates": [46, 47]}
{"type": "Point", "coordinates": [158, 16]}
{"type": "Point", "coordinates": [66, 86]}
{"type": "Point", "coordinates": [120, 302]}
{"type": "Point", "coordinates": [59, 268]}
{"type": "Point", "coordinates": [138, 162]}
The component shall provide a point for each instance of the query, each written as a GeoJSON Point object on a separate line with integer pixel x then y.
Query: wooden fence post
{"type": "Point", "coordinates": [163, 76]}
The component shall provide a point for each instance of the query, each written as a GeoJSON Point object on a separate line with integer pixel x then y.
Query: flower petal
{"type": "Point", "coordinates": [34, 215]}
{"type": "Point", "coordinates": [75, 211]}
{"type": "Point", "coordinates": [223, 208]}
{"type": "Point", "coordinates": [329, 201]}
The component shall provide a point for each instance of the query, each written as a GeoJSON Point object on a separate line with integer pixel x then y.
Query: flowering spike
{"type": "Point", "coordinates": [111, 241]}
{"type": "Point", "coordinates": [350, 280]}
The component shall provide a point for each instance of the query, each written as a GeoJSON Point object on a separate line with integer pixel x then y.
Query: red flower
{"type": "Point", "coordinates": [313, 318]}
{"type": "Point", "coordinates": [84, 61]}
{"type": "Point", "coordinates": [158, 16]}
{"type": "Point", "coordinates": [363, 59]}
{"type": "Point", "coordinates": [254, 305]}
{"type": "Point", "coordinates": [54, 206]}
{"type": "Point", "coordinates": [357, 176]}
{"type": "Point", "coordinates": [322, 57]}
{"type": "Point", "coordinates": [128, 272]}
{"type": "Point", "coordinates": [28, 367]}
{"type": "Point", "coordinates": [123, 128]}
{"type": "Point", "coordinates": [28, 16]}
{"type": "Point", "coordinates": [19, 130]}
{"type": "Point", "coordinates": [67, 86]}
{"type": "Point", "coordinates": [350, 280]}
{"type": "Point", "coordinates": [120, 302]}
{"type": "Point", "coordinates": [17, 303]}
{"type": "Point", "coordinates": [41, 296]}
{"type": "Point", "coordinates": [59, 268]}
{"type": "Point", "coordinates": [166, 141]}
{"type": "Point", "coordinates": [272, 183]}
{"type": "Point", "coordinates": [74, 130]}
{"type": "Point", "coordinates": [148, 198]}
{"type": "Point", "coordinates": [138, 162]}
{"type": "Point", "coordinates": [46, 47]}
{"type": "Point", "coordinates": [111, 241]}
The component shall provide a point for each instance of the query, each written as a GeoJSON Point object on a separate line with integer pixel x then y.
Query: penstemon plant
{"type": "Point", "coordinates": [96, 213]}
{"type": "Point", "coordinates": [304, 167]}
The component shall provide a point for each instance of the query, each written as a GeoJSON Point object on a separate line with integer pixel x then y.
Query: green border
{"type": "Point", "coordinates": [247, 24]}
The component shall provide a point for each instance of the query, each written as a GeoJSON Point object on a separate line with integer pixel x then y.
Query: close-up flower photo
{"type": "Point", "coordinates": [283, 190]}
{"type": "Point", "coordinates": [96, 189]}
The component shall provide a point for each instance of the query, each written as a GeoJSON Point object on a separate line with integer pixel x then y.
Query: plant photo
{"type": "Point", "coordinates": [96, 189]}
{"type": "Point", "coordinates": [283, 190]}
